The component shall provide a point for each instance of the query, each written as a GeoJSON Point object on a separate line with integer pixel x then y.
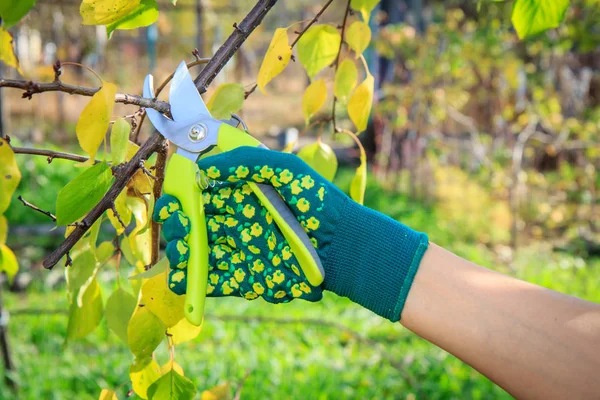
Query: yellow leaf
{"type": "Point", "coordinates": [171, 365]}
{"type": "Point", "coordinates": [145, 331]}
{"type": "Point", "coordinates": [358, 37]}
{"type": "Point", "coordinates": [8, 262]}
{"type": "Point", "coordinates": [276, 59]}
{"type": "Point", "coordinates": [345, 80]}
{"type": "Point", "coordinates": [7, 53]}
{"type": "Point", "coordinates": [321, 158]}
{"type": "Point", "coordinates": [219, 392]}
{"type": "Point", "coordinates": [313, 99]}
{"type": "Point", "coordinates": [94, 119]}
{"type": "Point", "coordinates": [10, 176]}
{"type": "Point", "coordinates": [359, 105]}
{"type": "Point", "coordinates": [184, 331]}
{"type": "Point", "coordinates": [227, 99]}
{"type": "Point", "coordinates": [365, 7]}
{"type": "Point", "coordinates": [106, 394]}
{"type": "Point", "coordinates": [143, 373]}
{"type": "Point", "coordinates": [102, 12]}
{"type": "Point", "coordinates": [318, 48]}
{"type": "Point", "coordinates": [359, 182]}
{"type": "Point", "coordinates": [3, 229]}
{"type": "Point", "coordinates": [161, 301]}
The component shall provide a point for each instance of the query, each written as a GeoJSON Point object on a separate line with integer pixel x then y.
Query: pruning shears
{"type": "Point", "coordinates": [194, 131]}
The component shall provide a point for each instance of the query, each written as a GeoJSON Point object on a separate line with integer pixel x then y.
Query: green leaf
{"type": "Point", "coordinates": [3, 229]}
{"type": "Point", "coordinates": [359, 182]}
{"type": "Point", "coordinates": [145, 331]}
{"type": "Point", "coordinates": [103, 12]}
{"type": "Point", "coordinates": [104, 252]}
{"type": "Point", "coordinates": [143, 373]}
{"type": "Point", "coordinates": [161, 301]}
{"type": "Point", "coordinates": [159, 267]}
{"type": "Point", "coordinates": [345, 80]}
{"type": "Point", "coordinates": [80, 272]}
{"type": "Point", "coordinates": [313, 99]}
{"type": "Point", "coordinates": [146, 13]}
{"type": "Point", "coordinates": [276, 59]}
{"type": "Point", "coordinates": [95, 118]}
{"type": "Point", "coordinates": [318, 48]}
{"type": "Point", "coordinates": [8, 262]}
{"type": "Point", "coordinates": [10, 176]}
{"type": "Point", "coordinates": [360, 103]}
{"type": "Point", "coordinates": [119, 309]}
{"type": "Point", "coordinates": [321, 158]}
{"type": "Point", "coordinates": [358, 37]}
{"type": "Point", "coordinates": [365, 7]}
{"type": "Point", "coordinates": [11, 12]}
{"type": "Point", "coordinates": [119, 140]}
{"type": "Point", "coordinates": [82, 193]}
{"type": "Point", "coordinates": [172, 386]}
{"type": "Point", "coordinates": [531, 17]}
{"type": "Point", "coordinates": [227, 99]}
{"type": "Point", "coordinates": [84, 318]}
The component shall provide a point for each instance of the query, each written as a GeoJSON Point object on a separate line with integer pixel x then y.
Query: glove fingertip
{"type": "Point", "coordinates": [177, 226]}
{"type": "Point", "coordinates": [178, 281]}
{"type": "Point", "coordinates": [178, 253]}
{"type": "Point", "coordinates": [165, 206]}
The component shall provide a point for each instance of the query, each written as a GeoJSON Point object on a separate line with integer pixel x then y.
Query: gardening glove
{"type": "Point", "coordinates": [248, 256]}
{"type": "Point", "coordinates": [367, 256]}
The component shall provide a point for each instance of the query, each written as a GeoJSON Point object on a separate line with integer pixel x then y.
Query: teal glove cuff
{"type": "Point", "coordinates": [373, 260]}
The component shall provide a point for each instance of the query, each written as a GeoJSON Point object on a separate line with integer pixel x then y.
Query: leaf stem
{"type": "Point", "coordinates": [83, 66]}
{"type": "Point", "coordinates": [337, 63]}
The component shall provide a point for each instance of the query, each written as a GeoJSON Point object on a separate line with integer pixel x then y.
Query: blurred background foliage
{"type": "Point", "coordinates": [488, 143]}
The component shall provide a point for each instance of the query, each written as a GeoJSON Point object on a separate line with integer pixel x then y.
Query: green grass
{"type": "Point", "coordinates": [305, 360]}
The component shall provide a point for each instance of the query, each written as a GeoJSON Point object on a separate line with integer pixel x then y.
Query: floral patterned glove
{"type": "Point", "coordinates": [248, 257]}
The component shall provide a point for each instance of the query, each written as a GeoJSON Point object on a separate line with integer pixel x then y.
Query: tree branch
{"type": "Point", "coordinates": [36, 208]}
{"type": "Point", "coordinates": [155, 142]}
{"type": "Point", "coordinates": [50, 154]}
{"type": "Point", "coordinates": [312, 21]}
{"type": "Point", "coordinates": [159, 171]}
{"type": "Point", "coordinates": [32, 88]}
{"type": "Point", "coordinates": [337, 62]}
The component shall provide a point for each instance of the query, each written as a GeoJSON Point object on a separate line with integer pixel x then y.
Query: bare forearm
{"type": "Point", "coordinates": [533, 342]}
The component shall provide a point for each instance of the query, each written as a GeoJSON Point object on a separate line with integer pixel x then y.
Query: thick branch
{"type": "Point", "coordinates": [159, 171]}
{"type": "Point", "coordinates": [155, 143]}
{"type": "Point", "coordinates": [32, 88]}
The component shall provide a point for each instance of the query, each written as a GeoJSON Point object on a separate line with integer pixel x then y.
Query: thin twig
{"type": "Point", "coordinates": [36, 208]}
{"type": "Point", "coordinates": [117, 215]}
{"type": "Point", "coordinates": [312, 21]}
{"type": "Point", "coordinates": [155, 142]}
{"type": "Point", "coordinates": [337, 62]}
{"type": "Point", "coordinates": [32, 88]}
{"type": "Point", "coordinates": [238, 393]}
{"type": "Point", "coordinates": [146, 171]}
{"type": "Point", "coordinates": [50, 154]}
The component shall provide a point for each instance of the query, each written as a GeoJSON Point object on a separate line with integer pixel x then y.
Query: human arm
{"type": "Point", "coordinates": [533, 342]}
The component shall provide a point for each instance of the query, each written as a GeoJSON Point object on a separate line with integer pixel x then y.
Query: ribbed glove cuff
{"type": "Point", "coordinates": [373, 260]}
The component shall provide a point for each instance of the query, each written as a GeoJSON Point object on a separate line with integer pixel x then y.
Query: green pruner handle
{"type": "Point", "coordinates": [300, 244]}
{"type": "Point", "coordinates": [180, 182]}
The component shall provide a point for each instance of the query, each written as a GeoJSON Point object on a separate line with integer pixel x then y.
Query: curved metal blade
{"type": "Point", "coordinates": [184, 97]}
{"type": "Point", "coordinates": [160, 122]}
